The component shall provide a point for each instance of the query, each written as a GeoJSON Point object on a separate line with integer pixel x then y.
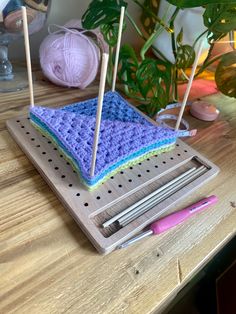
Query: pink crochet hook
{"type": "Point", "coordinates": [172, 220]}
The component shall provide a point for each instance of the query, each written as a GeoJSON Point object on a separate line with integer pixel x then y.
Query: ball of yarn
{"type": "Point", "coordinates": [69, 58]}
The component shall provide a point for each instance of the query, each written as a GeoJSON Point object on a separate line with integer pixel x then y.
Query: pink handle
{"type": "Point", "coordinates": [174, 219]}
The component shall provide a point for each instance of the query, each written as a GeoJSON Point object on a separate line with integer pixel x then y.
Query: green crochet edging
{"type": "Point", "coordinates": [122, 167]}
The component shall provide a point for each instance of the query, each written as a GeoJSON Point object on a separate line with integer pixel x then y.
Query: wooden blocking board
{"type": "Point", "coordinates": [91, 209]}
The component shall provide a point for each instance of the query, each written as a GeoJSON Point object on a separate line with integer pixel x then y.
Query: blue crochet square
{"type": "Point", "coordinates": [125, 135]}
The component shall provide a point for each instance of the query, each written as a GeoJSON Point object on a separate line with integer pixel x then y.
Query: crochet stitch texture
{"type": "Point", "coordinates": [125, 136]}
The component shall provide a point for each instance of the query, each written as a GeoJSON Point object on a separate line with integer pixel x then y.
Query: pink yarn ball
{"type": "Point", "coordinates": [69, 58]}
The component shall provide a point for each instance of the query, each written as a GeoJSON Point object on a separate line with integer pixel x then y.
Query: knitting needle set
{"type": "Point", "coordinates": [112, 203]}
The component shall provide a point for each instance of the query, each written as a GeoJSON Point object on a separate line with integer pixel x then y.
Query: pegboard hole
{"type": "Point", "coordinates": [32, 139]}
{"type": "Point", "coordinates": [86, 204]}
{"type": "Point", "coordinates": [164, 162]}
{"type": "Point", "coordinates": [56, 168]}
{"type": "Point", "coordinates": [44, 153]}
{"type": "Point", "coordinates": [49, 160]}
{"type": "Point", "coordinates": [22, 127]}
{"type": "Point", "coordinates": [38, 145]}
{"type": "Point", "coordinates": [63, 176]}
{"type": "Point", "coordinates": [139, 175]}
{"type": "Point", "coordinates": [172, 158]}
{"type": "Point", "coordinates": [122, 172]}
{"type": "Point", "coordinates": [156, 166]}
{"type": "Point", "coordinates": [17, 121]}
{"type": "Point", "coordinates": [78, 194]}
{"type": "Point", "coordinates": [27, 133]}
{"type": "Point", "coordinates": [49, 142]}
{"type": "Point", "coordinates": [112, 178]}
{"type": "Point", "coordinates": [109, 191]}
{"type": "Point", "coordinates": [98, 197]}
{"type": "Point", "coordinates": [179, 154]}
{"type": "Point", "coordinates": [120, 185]}
{"type": "Point", "coordinates": [185, 151]}
{"type": "Point", "coordinates": [130, 180]}
{"type": "Point", "coordinates": [147, 170]}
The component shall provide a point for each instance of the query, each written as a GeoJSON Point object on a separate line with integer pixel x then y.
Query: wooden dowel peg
{"type": "Point", "coordinates": [105, 58]}
{"type": "Point", "coordinates": [190, 82]}
{"type": "Point", "coordinates": [122, 13]}
{"type": "Point", "coordinates": [28, 57]}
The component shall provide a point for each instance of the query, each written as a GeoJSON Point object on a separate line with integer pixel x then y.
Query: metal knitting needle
{"type": "Point", "coordinates": [159, 196]}
{"type": "Point", "coordinates": [172, 220]}
{"type": "Point", "coordinates": [155, 202]}
{"type": "Point", "coordinates": [163, 187]}
{"type": "Point", "coordinates": [124, 220]}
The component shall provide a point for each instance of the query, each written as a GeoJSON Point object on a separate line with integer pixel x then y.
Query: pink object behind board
{"type": "Point", "coordinates": [200, 88]}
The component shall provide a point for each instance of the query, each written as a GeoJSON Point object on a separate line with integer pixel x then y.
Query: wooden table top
{"type": "Point", "coordinates": [49, 266]}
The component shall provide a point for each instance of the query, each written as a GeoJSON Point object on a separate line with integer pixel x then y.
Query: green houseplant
{"type": "Point", "coordinates": [153, 81]}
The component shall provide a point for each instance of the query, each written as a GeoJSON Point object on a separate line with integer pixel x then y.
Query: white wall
{"type": "Point", "coordinates": [61, 12]}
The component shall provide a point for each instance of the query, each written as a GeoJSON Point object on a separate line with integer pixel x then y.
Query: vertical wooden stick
{"type": "Point", "coordinates": [105, 58]}
{"type": "Point", "coordinates": [190, 82]}
{"type": "Point", "coordinates": [27, 52]}
{"type": "Point", "coordinates": [122, 13]}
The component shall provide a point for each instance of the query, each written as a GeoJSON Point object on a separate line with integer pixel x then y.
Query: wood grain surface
{"type": "Point", "coordinates": [47, 265]}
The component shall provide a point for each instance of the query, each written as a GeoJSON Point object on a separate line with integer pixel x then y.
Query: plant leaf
{"type": "Point", "coordinates": [196, 3]}
{"type": "Point", "coordinates": [106, 14]}
{"type": "Point", "coordinates": [185, 56]}
{"type": "Point", "coordinates": [179, 38]}
{"type": "Point", "coordinates": [110, 33]}
{"type": "Point", "coordinates": [102, 12]}
{"type": "Point", "coordinates": [154, 79]}
{"type": "Point", "coordinates": [128, 66]}
{"type": "Point", "coordinates": [225, 75]}
{"type": "Point", "coordinates": [147, 20]}
{"type": "Point", "coordinates": [219, 19]}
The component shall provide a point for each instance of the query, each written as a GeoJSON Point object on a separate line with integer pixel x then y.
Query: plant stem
{"type": "Point", "coordinates": [147, 10]}
{"type": "Point", "coordinates": [157, 31]}
{"type": "Point", "coordinates": [135, 26]}
{"type": "Point", "coordinates": [126, 86]}
{"type": "Point", "coordinates": [174, 84]}
{"type": "Point", "coordinates": [206, 64]}
{"type": "Point", "coordinates": [203, 67]}
{"type": "Point", "coordinates": [149, 43]}
{"type": "Point", "coordinates": [202, 34]}
{"type": "Point", "coordinates": [110, 66]}
{"type": "Point", "coordinates": [175, 70]}
{"type": "Point", "coordinates": [173, 17]}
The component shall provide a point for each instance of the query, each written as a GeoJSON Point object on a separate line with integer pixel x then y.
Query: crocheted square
{"type": "Point", "coordinates": [125, 138]}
